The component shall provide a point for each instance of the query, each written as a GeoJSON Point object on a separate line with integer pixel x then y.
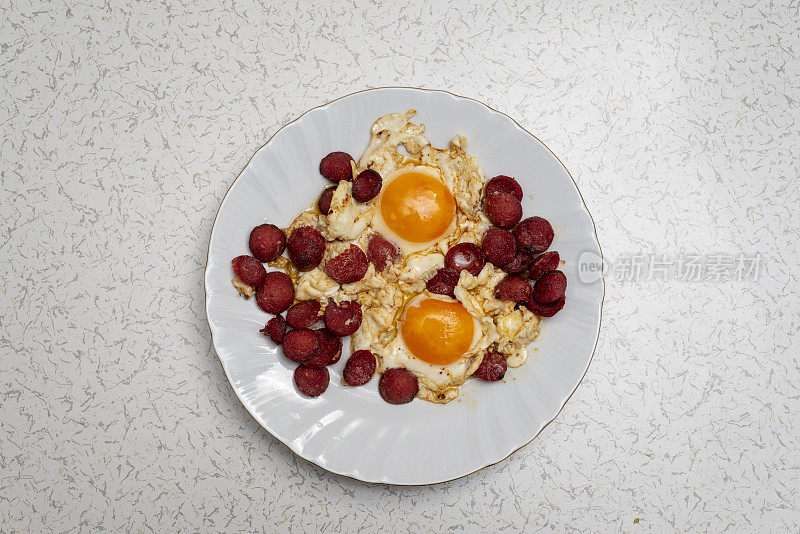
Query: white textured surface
{"type": "Point", "coordinates": [123, 125]}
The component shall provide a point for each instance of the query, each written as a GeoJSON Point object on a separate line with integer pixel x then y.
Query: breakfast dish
{"type": "Point", "coordinates": [352, 430]}
{"type": "Point", "coordinates": [430, 268]}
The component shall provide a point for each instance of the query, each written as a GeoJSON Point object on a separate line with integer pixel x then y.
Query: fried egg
{"type": "Point", "coordinates": [438, 330]}
{"type": "Point", "coordinates": [415, 208]}
{"type": "Point", "coordinates": [437, 338]}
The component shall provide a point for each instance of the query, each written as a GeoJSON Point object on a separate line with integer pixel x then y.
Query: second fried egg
{"type": "Point", "coordinates": [437, 338]}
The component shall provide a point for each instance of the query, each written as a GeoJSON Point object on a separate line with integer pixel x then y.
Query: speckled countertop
{"type": "Point", "coordinates": [124, 124]}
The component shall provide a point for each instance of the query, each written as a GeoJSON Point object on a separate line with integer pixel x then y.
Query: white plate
{"type": "Point", "coordinates": [352, 431]}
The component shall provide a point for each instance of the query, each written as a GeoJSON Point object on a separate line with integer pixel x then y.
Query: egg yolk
{"type": "Point", "coordinates": [417, 207]}
{"type": "Point", "coordinates": [437, 331]}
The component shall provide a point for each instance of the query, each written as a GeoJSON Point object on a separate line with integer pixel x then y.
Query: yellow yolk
{"type": "Point", "coordinates": [437, 331]}
{"type": "Point", "coordinates": [417, 207]}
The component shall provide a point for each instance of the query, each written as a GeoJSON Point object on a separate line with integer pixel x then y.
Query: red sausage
{"type": "Point", "coordinates": [311, 381]}
{"type": "Point", "coordinates": [492, 368]}
{"type": "Point", "coordinates": [444, 282]}
{"type": "Point", "coordinates": [504, 184]}
{"type": "Point", "coordinates": [503, 210]}
{"type": "Point", "coordinates": [499, 246]}
{"type": "Point", "coordinates": [303, 314]}
{"type": "Point", "coordinates": [267, 242]}
{"type": "Point", "coordinates": [398, 385]}
{"type": "Point", "coordinates": [300, 345]}
{"type": "Point", "coordinates": [359, 368]}
{"type": "Point", "coordinates": [336, 166]}
{"type": "Point", "coordinates": [550, 287]}
{"type": "Point", "coordinates": [276, 293]}
{"type": "Point", "coordinates": [329, 351]}
{"type": "Point", "coordinates": [306, 248]}
{"type": "Point", "coordinates": [275, 329]}
{"type": "Point", "coordinates": [546, 310]}
{"type": "Point", "coordinates": [534, 234]}
{"type": "Point", "coordinates": [543, 264]}
{"type": "Point", "coordinates": [343, 319]}
{"type": "Point", "coordinates": [521, 262]}
{"type": "Point", "coordinates": [249, 270]}
{"type": "Point", "coordinates": [324, 202]}
{"type": "Point", "coordinates": [367, 185]}
{"type": "Point", "coordinates": [513, 287]}
{"type": "Point", "coordinates": [381, 252]}
{"type": "Point", "coordinates": [331, 345]}
{"type": "Point", "coordinates": [463, 256]}
{"type": "Point", "coordinates": [349, 266]}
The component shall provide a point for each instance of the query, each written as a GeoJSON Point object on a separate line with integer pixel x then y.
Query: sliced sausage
{"type": "Point", "coordinates": [499, 246]}
{"type": "Point", "coordinates": [359, 368]}
{"type": "Point", "coordinates": [444, 282]}
{"type": "Point", "coordinates": [303, 314]}
{"type": "Point", "coordinates": [276, 293]}
{"type": "Point", "coordinates": [366, 185]}
{"type": "Point", "coordinates": [330, 344]}
{"type": "Point", "coordinates": [349, 266]}
{"type": "Point", "coordinates": [543, 264]}
{"type": "Point", "coordinates": [504, 184]}
{"type": "Point", "coordinates": [381, 252]}
{"type": "Point", "coordinates": [534, 234]}
{"type": "Point", "coordinates": [514, 288]}
{"type": "Point", "coordinates": [249, 270]}
{"type": "Point", "coordinates": [336, 166]}
{"type": "Point", "coordinates": [267, 242]}
{"type": "Point", "coordinates": [329, 351]}
{"type": "Point", "coordinates": [546, 310]}
{"type": "Point", "coordinates": [521, 262]}
{"type": "Point", "coordinates": [324, 201]}
{"type": "Point", "coordinates": [398, 385]}
{"type": "Point", "coordinates": [275, 329]}
{"type": "Point", "coordinates": [550, 287]}
{"type": "Point", "coordinates": [343, 319]}
{"type": "Point", "coordinates": [300, 345]}
{"type": "Point", "coordinates": [492, 368]}
{"type": "Point", "coordinates": [311, 381]}
{"type": "Point", "coordinates": [465, 256]}
{"type": "Point", "coordinates": [502, 209]}
{"type": "Point", "coordinates": [306, 248]}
